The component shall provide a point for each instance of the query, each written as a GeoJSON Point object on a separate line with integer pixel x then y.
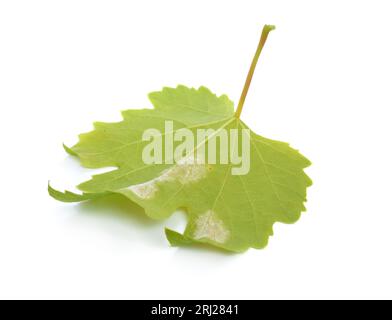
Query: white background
{"type": "Point", "coordinates": [323, 84]}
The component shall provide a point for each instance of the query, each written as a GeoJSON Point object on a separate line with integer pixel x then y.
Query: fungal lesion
{"type": "Point", "coordinates": [209, 226]}
{"type": "Point", "coordinates": [187, 170]}
{"type": "Point", "coordinates": [145, 190]}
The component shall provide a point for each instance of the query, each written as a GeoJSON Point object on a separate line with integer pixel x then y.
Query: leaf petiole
{"type": "Point", "coordinates": [263, 39]}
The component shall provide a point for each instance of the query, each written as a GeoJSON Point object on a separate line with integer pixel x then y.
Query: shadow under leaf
{"type": "Point", "coordinates": [119, 207]}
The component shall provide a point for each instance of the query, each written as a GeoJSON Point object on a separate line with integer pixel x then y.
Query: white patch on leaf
{"type": "Point", "coordinates": [145, 190]}
{"type": "Point", "coordinates": [209, 226]}
{"type": "Point", "coordinates": [187, 170]}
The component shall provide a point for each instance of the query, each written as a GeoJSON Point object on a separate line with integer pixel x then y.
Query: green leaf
{"type": "Point", "coordinates": [230, 211]}
{"type": "Point", "coordinates": [233, 212]}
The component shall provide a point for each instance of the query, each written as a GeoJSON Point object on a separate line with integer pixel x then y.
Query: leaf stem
{"type": "Point", "coordinates": [263, 39]}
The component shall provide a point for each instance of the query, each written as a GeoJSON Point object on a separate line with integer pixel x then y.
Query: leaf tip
{"type": "Point", "coordinates": [53, 192]}
{"type": "Point", "coordinates": [176, 239]}
{"type": "Point", "coordinates": [69, 150]}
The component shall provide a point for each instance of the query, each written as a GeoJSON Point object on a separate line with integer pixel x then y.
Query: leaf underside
{"type": "Point", "coordinates": [232, 212]}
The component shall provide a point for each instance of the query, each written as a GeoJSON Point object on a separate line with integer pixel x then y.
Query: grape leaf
{"type": "Point", "coordinates": [232, 212]}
